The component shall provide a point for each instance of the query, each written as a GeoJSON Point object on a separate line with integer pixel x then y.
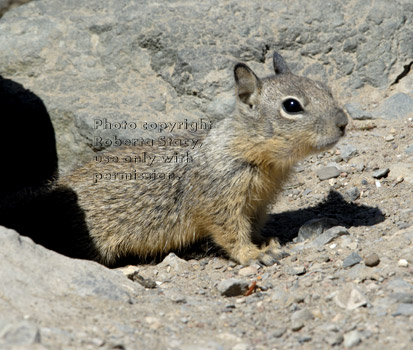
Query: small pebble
{"type": "Point", "coordinates": [399, 179]}
{"type": "Point", "coordinates": [389, 138]}
{"type": "Point", "coordinates": [372, 260]}
{"type": "Point", "coordinates": [299, 299]}
{"type": "Point", "coordinates": [302, 315]}
{"type": "Point", "coordinates": [314, 228]}
{"type": "Point", "coordinates": [347, 151]}
{"type": "Point", "coordinates": [328, 172]}
{"type": "Point", "coordinates": [298, 271]}
{"type": "Point", "coordinates": [297, 325]}
{"type": "Point", "coordinates": [278, 333]}
{"type": "Point", "coordinates": [248, 271]}
{"type": "Point", "coordinates": [177, 298]}
{"type": "Point", "coordinates": [304, 339]}
{"type": "Point", "coordinates": [232, 287]}
{"type": "Point", "coordinates": [217, 264]}
{"type": "Point", "coordinates": [350, 297]}
{"type": "Point", "coordinates": [352, 194]}
{"type": "Point", "coordinates": [145, 282]}
{"type": "Point", "coordinates": [378, 174]}
{"type": "Point", "coordinates": [351, 339]}
{"type": "Point", "coordinates": [351, 260]}
{"type": "Point", "coordinates": [329, 235]}
{"type": "Point", "coordinates": [306, 192]}
{"type": "Point", "coordinates": [403, 263]}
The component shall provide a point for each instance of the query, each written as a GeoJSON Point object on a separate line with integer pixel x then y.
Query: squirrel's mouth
{"type": "Point", "coordinates": [326, 144]}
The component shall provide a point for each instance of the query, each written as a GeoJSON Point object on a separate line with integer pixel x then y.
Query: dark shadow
{"type": "Point", "coordinates": [53, 219]}
{"type": "Point", "coordinates": [285, 225]}
{"type": "Point", "coordinates": [29, 203]}
{"type": "Point", "coordinates": [27, 144]}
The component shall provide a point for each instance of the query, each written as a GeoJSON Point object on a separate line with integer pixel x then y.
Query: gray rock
{"type": "Point", "coordinates": [350, 297]}
{"type": "Point", "coordinates": [397, 106]}
{"type": "Point", "coordinates": [328, 172]}
{"type": "Point", "coordinates": [351, 260]}
{"type": "Point", "coordinates": [404, 310]}
{"type": "Point", "coordinates": [352, 194]}
{"type": "Point", "coordinates": [372, 260]}
{"type": "Point", "coordinates": [248, 271]}
{"type": "Point", "coordinates": [347, 151]}
{"type": "Point", "coordinates": [380, 173]}
{"type": "Point", "coordinates": [356, 112]}
{"type": "Point", "coordinates": [302, 315]}
{"type": "Point", "coordinates": [304, 339]}
{"type": "Point", "coordinates": [278, 332]}
{"type": "Point", "coordinates": [352, 339]}
{"type": "Point", "coordinates": [297, 325]}
{"type": "Point", "coordinates": [315, 227]}
{"type": "Point", "coordinates": [297, 271]}
{"type": "Point", "coordinates": [179, 265]}
{"type": "Point", "coordinates": [329, 235]}
{"type": "Point", "coordinates": [175, 296]}
{"type": "Point", "coordinates": [45, 276]}
{"type": "Point", "coordinates": [22, 333]}
{"type": "Point", "coordinates": [232, 287]}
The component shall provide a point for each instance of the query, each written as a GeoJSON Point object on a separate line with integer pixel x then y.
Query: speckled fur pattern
{"type": "Point", "coordinates": [224, 193]}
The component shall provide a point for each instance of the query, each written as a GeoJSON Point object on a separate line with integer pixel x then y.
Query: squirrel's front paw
{"type": "Point", "coordinates": [271, 253]}
{"type": "Point", "coordinates": [271, 257]}
{"type": "Point", "coordinates": [267, 256]}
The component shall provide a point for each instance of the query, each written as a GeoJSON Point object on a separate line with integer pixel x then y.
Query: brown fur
{"type": "Point", "coordinates": [225, 192]}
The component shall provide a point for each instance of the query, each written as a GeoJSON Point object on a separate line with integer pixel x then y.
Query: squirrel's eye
{"type": "Point", "coordinates": [291, 105]}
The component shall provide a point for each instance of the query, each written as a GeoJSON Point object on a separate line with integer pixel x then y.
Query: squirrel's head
{"type": "Point", "coordinates": [290, 114]}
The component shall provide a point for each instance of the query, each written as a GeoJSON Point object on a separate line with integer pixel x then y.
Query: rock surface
{"type": "Point", "coordinates": [119, 60]}
{"type": "Point", "coordinates": [150, 61]}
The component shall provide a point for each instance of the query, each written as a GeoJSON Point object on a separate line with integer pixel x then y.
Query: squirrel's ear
{"type": "Point", "coordinates": [247, 83]}
{"type": "Point", "coordinates": [280, 67]}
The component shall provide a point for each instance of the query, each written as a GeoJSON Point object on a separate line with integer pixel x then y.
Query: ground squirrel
{"type": "Point", "coordinates": [224, 193]}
